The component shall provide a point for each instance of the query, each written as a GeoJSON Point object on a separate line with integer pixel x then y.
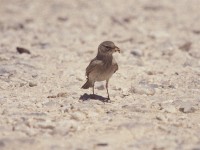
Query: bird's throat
{"type": "Point", "coordinates": [106, 58]}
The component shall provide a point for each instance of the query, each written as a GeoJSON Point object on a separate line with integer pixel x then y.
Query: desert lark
{"type": "Point", "coordinates": [103, 66]}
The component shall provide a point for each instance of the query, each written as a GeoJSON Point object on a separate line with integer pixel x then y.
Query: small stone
{"type": "Point", "coordinates": [78, 116]}
{"type": "Point", "coordinates": [62, 19]}
{"type": "Point", "coordinates": [2, 144]}
{"type": "Point", "coordinates": [170, 109]}
{"type": "Point", "coordinates": [22, 84]}
{"type": "Point", "coordinates": [38, 105]}
{"type": "Point", "coordinates": [137, 52]}
{"type": "Point", "coordinates": [143, 89]}
{"type": "Point", "coordinates": [46, 125]}
{"type": "Point", "coordinates": [4, 112]}
{"type": "Point", "coordinates": [52, 96]}
{"type": "Point", "coordinates": [62, 94]}
{"type": "Point", "coordinates": [196, 31]}
{"type": "Point", "coordinates": [66, 126]}
{"type": "Point", "coordinates": [102, 144]}
{"type": "Point", "coordinates": [32, 84]}
{"type": "Point", "coordinates": [186, 46]}
{"type": "Point", "coordinates": [34, 75]}
{"type": "Point", "coordinates": [51, 104]}
{"type": "Point", "coordinates": [186, 108]}
{"type": "Point", "coordinates": [91, 114]}
{"type": "Point", "coordinates": [100, 87]}
{"type": "Point", "coordinates": [125, 92]}
{"type": "Point", "coordinates": [80, 78]}
{"type": "Point", "coordinates": [65, 109]}
{"type": "Point", "coordinates": [195, 53]}
{"type": "Point", "coordinates": [22, 50]}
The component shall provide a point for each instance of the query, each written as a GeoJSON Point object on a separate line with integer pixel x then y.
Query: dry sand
{"type": "Point", "coordinates": [155, 93]}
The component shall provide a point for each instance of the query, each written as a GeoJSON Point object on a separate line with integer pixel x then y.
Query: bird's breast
{"type": "Point", "coordinates": [103, 73]}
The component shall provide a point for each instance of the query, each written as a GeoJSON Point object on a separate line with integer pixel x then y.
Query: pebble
{"type": "Point", "coordinates": [100, 87]}
{"type": "Point", "coordinates": [143, 89]}
{"type": "Point", "coordinates": [4, 112]}
{"type": "Point", "coordinates": [91, 114]}
{"type": "Point", "coordinates": [32, 84]}
{"type": "Point", "coordinates": [186, 107]}
{"type": "Point", "coordinates": [23, 50]}
{"type": "Point", "coordinates": [186, 46]}
{"type": "Point", "coordinates": [195, 53]}
{"type": "Point", "coordinates": [62, 94]}
{"type": "Point", "coordinates": [47, 124]}
{"type": "Point", "coordinates": [78, 116]}
{"type": "Point", "coordinates": [22, 127]}
{"type": "Point", "coordinates": [137, 52]}
{"type": "Point", "coordinates": [51, 104]}
{"type": "Point", "coordinates": [64, 127]}
{"type": "Point", "coordinates": [170, 109]}
{"type": "Point", "coordinates": [2, 144]}
{"type": "Point", "coordinates": [125, 92]}
{"type": "Point", "coordinates": [80, 78]}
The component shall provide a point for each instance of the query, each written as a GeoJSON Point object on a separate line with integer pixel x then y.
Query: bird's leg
{"type": "Point", "coordinates": [93, 90]}
{"type": "Point", "coordinates": [107, 89]}
{"type": "Point", "coordinates": [93, 96]}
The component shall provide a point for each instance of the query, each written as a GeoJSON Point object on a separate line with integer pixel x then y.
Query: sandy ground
{"type": "Point", "coordinates": [155, 95]}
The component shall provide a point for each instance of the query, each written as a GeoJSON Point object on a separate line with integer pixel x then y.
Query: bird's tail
{"type": "Point", "coordinates": [87, 85]}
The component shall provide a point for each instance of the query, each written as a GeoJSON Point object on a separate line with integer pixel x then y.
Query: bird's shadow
{"type": "Point", "coordinates": [86, 97]}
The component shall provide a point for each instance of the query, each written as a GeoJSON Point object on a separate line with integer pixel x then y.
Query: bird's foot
{"type": "Point", "coordinates": [107, 100]}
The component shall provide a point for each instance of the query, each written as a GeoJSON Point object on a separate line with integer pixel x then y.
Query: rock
{"type": "Point", "coordinates": [22, 84]}
{"type": "Point", "coordinates": [196, 31]}
{"type": "Point", "coordinates": [195, 53]}
{"type": "Point", "coordinates": [78, 116]}
{"type": "Point", "coordinates": [47, 124]}
{"type": "Point", "coordinates": [143, 89]}
{"type": "Point", "coordinates": [156, 105]}
{"type": "Point", "coordinates": [62, 19]}
{"type": "Point", "coordinates": [4, 112]}
{"type": "Point", "coordinates": [65, 109]}
{"type": "Point", "coordinates": [137, 53]}
{"type": "Point", "coordinates": [22, 50]}
{"type": "Point", "coordinates": [186, 107]}
{"type": "Point", "coordinates": [51, 104]}
{"type": "Point", "coordinates": [66, 126]}
{"type": "Point", "coordinates": [7, 70]}
{"type": "Point", "coordinates": [32, 84]}
{"type": "Point", "coordinates": [91, 114]}
{"type": "Point", "coordinates": [100, 87]}
{"type": "Point", "coordinates": [136, 108]}
{"type": "Point", "coordinates": [102, 144]}
{"type": "Point", "coordinates": [62, 94]}
{"type": "Point", "coordinates": [25, 129]}
{"type": "Point", "coordinates": [34, 75]}
{"type": "Point", "coordinates": [80, 78]}
{"type": "Point", "coordinates": [2, 144]}
{"type": "Point", "coordinates": [170, 109]}
{"type": "Point", "coordinates": [52, 96]}
{"type": "Point", "coordinates": [125, 92]}
{"type": "Point", "coordinates": [186, 46]}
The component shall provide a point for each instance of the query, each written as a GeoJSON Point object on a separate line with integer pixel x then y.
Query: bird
{"type": "Point", "coordinates": [102, 67]}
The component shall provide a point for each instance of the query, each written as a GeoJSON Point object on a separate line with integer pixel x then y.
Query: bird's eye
{"type": "Point", "coordinates": [107, 47]}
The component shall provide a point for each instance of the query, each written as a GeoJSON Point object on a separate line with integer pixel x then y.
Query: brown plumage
{"type": "Point", "coordinates": [103, 66]}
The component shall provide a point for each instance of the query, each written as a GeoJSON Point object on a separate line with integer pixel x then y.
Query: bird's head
{"type": "Point", "coordinates": [108, 48]}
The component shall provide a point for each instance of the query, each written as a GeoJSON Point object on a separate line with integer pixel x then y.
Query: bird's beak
{"type": "Point", "coordinates": [117, 49]}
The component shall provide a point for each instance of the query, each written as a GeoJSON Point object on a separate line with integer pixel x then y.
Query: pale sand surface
{"type": "Point", "coordinates": [155, 93]}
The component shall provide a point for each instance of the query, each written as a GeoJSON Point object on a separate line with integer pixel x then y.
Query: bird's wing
{"type": "Point", "coordinates": [93, 64]}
